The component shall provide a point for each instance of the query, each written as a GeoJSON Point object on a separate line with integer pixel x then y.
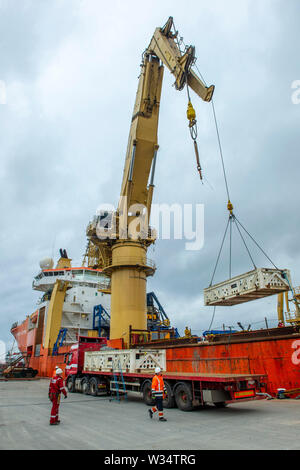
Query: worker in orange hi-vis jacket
{"type": "Point", "coordinates": [56, 387]}
{"type": "Point", "coordinates": [158, 392]}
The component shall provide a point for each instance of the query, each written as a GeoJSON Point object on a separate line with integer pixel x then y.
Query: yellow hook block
{"type": "Point", "coordinates": [230, 207]}
{"type": "Point", "coordinates": [191, 113]}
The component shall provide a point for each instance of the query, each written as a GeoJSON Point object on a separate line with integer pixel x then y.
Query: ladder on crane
{"type": "Point", "coordinates": [59, 341]}
{"type": "Point", "coordinates": [101, 319]}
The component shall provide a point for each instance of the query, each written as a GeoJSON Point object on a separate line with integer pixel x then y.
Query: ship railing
{"type": "Point", "coordinates": [104, 286]}
{"type": "Point", "coordinates": [292, 317]}
{"type": "Point", "coordinates": [297, 291]}
{"type": "Point", "coordinates": [130, 261]}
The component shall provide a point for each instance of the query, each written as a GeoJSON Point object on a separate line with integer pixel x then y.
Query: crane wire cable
{"type": "Point", "coordinates": [213, 317]}
{"type": "Point", "coordinates": [217, 262]}
{"type": "Point", "coordinates": [218, 135]}
{"type": "Point", "coordinates": [230, 245]}
{"type": "Point", "coordinates": [232, 217]}
{"type": "Point", "coordinates": [255, 242]}
{"type": "Point", "coordinates": [227, 189]}
{"type": "Point", "coordinates": [214, 111]}
{"type": "Point", "coordinates": [220, 148]}
{"type": "Point", "coordinates": [244, 243]}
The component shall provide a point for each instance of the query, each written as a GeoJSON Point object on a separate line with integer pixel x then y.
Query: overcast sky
{"type": "Point", "coordinates": [70, 70]}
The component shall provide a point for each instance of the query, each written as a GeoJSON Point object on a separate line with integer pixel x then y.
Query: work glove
{"type": "Point", "coordinates": [65, 396]}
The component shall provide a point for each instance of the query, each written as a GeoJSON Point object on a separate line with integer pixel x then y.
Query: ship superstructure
{"type": "Point", "coordinates": [65, 309]}
{"type": "Point", "coordinates": [86, 287]}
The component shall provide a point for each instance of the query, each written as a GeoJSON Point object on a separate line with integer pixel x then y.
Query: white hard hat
{"type": "Point", "coordinates": [59, 371]}
{"type": "Point", "coordinates": [157, 370]}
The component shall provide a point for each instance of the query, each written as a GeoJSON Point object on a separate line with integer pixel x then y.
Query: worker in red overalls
{"type": "Point", "coordinates": [56, 387]}
{"type": "Point", "coordinates": [158, 392]}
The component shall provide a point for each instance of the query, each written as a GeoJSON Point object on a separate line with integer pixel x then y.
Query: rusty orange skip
{"type": "Point", "coordinates": [261, 352]}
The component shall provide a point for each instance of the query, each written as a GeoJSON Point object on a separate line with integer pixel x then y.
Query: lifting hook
{"type": "Point", "coordinates": [191, 115]}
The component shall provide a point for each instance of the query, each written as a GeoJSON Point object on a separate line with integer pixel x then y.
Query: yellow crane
{"type": "Point", "coordinates": [122, 238]}
{"type": "Point", "coordinates": [292, 317]}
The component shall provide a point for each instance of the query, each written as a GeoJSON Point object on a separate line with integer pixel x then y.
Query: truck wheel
{"type": "Point", "coordinates": [183, 397]}
{"type": "Point", "coordinates": [169, 400]}
{"type": "Point", "coordinates": [147, 394]}
{"type": "Point", "coordinates": [93, 386]}
{"type": "Point", "coordinates": [85, 388]}
{"type": "Point", "coordinates": [71, 384]}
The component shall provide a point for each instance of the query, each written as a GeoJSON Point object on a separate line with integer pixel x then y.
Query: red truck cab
{"type": "Point", "coordinates": [75, 358]}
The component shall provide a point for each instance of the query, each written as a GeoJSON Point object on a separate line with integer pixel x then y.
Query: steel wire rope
{"type": "Point", "coordinates": [230, 246]}
{"type": "Point", "coordinates": [232, 217]}
{"type": "Point", "coordinates": [213, 317]}
{"type": "Point", "coordinates": [237, 221]}
{"type": "Point", "coordinates": [220, 148]}
{"type": "Point", "coordinates": [218, 135]}
{"type": "Point", "coordinates": [227, 189]}
{"type": "Point", "coordinates": [217, 262]}
{"type": "Point", "coordinates": [244, 242]}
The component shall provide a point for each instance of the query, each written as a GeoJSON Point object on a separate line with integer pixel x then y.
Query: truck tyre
{"type": "Point", "coordinates": [169, 400]}
{"type": "Point", "coordinates": [93, 386]}
{"type": "Point", "coordinates": [71, 384]}
{"type": "Point", "coordinates": [183, 397]}
{"type": "Point", "coordinates": [147, 394]}
{"type": "Point", "coordinates": [85, 386]}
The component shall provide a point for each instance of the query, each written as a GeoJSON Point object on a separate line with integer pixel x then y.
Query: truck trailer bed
{"type": "Point", "coordinates": [201, 377]}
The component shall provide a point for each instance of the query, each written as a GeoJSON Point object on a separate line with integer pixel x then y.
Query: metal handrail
{"type": "Point", "coordinates": [104, 285]}
{"type": "Point", "coordinates": [129, 260]}
{"type": "Point", "coordinates": [291, 316]}
{"type": "Point", "coordinates": [297, 290]}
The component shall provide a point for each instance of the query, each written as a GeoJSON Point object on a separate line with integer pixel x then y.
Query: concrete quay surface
{"type": "Point", "coordinates": [96, 423]}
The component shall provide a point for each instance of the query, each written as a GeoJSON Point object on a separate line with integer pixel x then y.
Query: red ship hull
{"type": "Point", "coordinates": [29, 343]}
{"type": "Point", "coordinates": [276, 357]}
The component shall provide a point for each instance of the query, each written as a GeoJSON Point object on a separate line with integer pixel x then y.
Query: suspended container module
{"type": "Point", "coordinates": [256, 284]}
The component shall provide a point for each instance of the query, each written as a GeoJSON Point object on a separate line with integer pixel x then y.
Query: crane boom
{"type": "Point", "coordinates": [164, 46]}
{"type": "Point", "coordinates": [142, 142]}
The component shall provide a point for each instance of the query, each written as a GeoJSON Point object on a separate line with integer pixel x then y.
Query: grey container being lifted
{"type": "Point", "coordinates": [256, 284]}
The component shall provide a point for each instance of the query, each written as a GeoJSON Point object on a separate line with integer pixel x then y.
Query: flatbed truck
{"type": "Point", "coordinates": [94, 369]}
